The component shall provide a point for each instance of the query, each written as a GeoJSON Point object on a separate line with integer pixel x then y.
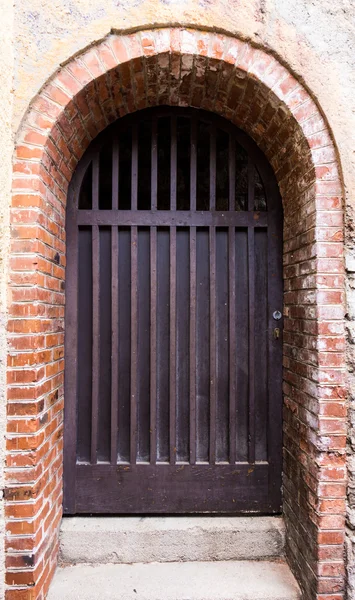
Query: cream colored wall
{"type": "Point", "coordinates": [315, 38]}
{"type": "Point", "coordinates": [6, 145]}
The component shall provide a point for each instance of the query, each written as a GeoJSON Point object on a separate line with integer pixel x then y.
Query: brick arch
{"type": "Point", "coordinates": [119, 75]}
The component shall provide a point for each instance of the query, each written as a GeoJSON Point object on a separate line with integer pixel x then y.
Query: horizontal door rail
{"type": "Point", "coordinates": [178, 218]}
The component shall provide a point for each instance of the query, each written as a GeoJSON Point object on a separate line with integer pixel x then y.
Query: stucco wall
{"type": "Point", "coordinates": [6, 145]}
{"type": "Point", "coordinates": [315, 38]}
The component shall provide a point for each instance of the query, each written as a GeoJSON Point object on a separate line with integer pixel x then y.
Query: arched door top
{"type": "Point", "coordinates": [180, 159]}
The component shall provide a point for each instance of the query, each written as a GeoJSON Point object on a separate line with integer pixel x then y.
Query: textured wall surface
{"type": "Point", "coordinates": [314, 38]}
{"type": "Point", "coordinates": [6, 149]}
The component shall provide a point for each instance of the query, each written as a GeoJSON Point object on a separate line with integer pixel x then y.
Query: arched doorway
{"type": "Point", "coordinates": [174, 320]}
{"type": "Point", "coordinates": [106, 81]}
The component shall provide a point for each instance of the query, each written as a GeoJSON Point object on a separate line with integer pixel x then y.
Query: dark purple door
{"type": "Point", "coordinates": [173, 352]}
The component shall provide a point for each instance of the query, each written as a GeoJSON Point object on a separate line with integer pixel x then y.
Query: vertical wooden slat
{"type": "Point", "coordinates": [71, 356]}
{"type": "Point", "coordinates": [232, 323]}
{"type": "Point", "coordinates": [134, 192]}
{"type": "Point", "coordinates": [275, 346]}
{"type": "Point", "coordinates": [115, 172]}
{"type": "Point", "coordinates": [213, 361]}
{"type": "Point", "coordinates": [212, 268]}
{"type": "Point", "coordinates": [95, 340]}
{"type": "Point", "coordinates": [232, 347]}
{"type": "Point", "coordinates": [114, 304]}
{"type": "Point", "coordinates": [153, 298]}
{"type": "Point", "coordinates": [95, 181]}
{"type": "Point", "coordinates": [261, 314]}
{"type": "Point", "coordinates": [172, 374]}
{"type": "Point", "coordinates": [143, 346]}
{"type": "Point", "coordinates": [154, 173]}
{"type": "Point", "coordinates": [193, 164]}
{"type": "Point", "coordinates": [251, 284]}
{"type": "Point", "coordinates": [192, 356]}
{"type": "Point", "coordinates": [173, 164]}
{"type": "Point", "coordinates": [134, 342]}
{"type": "Point", "coordinates": [213, 168]}
{"type": "Point", "coordinates": [114, 343]}
{"type": "Point", "coordinates": [153, 345]}
{"type": "Point", "coordinates": [231, 169]}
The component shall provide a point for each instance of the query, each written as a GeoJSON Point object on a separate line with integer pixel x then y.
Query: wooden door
{"type": "Point", "coordinates": [173, 353]}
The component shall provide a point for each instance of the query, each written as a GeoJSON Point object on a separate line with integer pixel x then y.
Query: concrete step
{"type": "Point", "coordinates": [242, 580]}
{"type": "Point", "coordinates": [169, 539]}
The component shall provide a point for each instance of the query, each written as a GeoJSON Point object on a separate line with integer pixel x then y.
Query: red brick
{"type": "Point", "coordinates": [106, 56]}
{"type": "Point", "coordinates": [119, 49]}
{"type": "Point", "coordinates": [57, 95]}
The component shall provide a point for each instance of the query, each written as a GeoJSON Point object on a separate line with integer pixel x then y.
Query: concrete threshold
{"type": "Point", "coordinates": [242, 580]}
{"type": "Point", "coordinates": [170, 539]}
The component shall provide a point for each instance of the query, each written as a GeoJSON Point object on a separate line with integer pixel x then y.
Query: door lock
{"type": "Point", "coordinates": [276, 333]}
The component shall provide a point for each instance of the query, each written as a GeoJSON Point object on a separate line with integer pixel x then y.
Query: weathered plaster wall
{"type": "Point", "coordinates": [6, 145]}
{"type": "Point", "coordinates": [316, 38]}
